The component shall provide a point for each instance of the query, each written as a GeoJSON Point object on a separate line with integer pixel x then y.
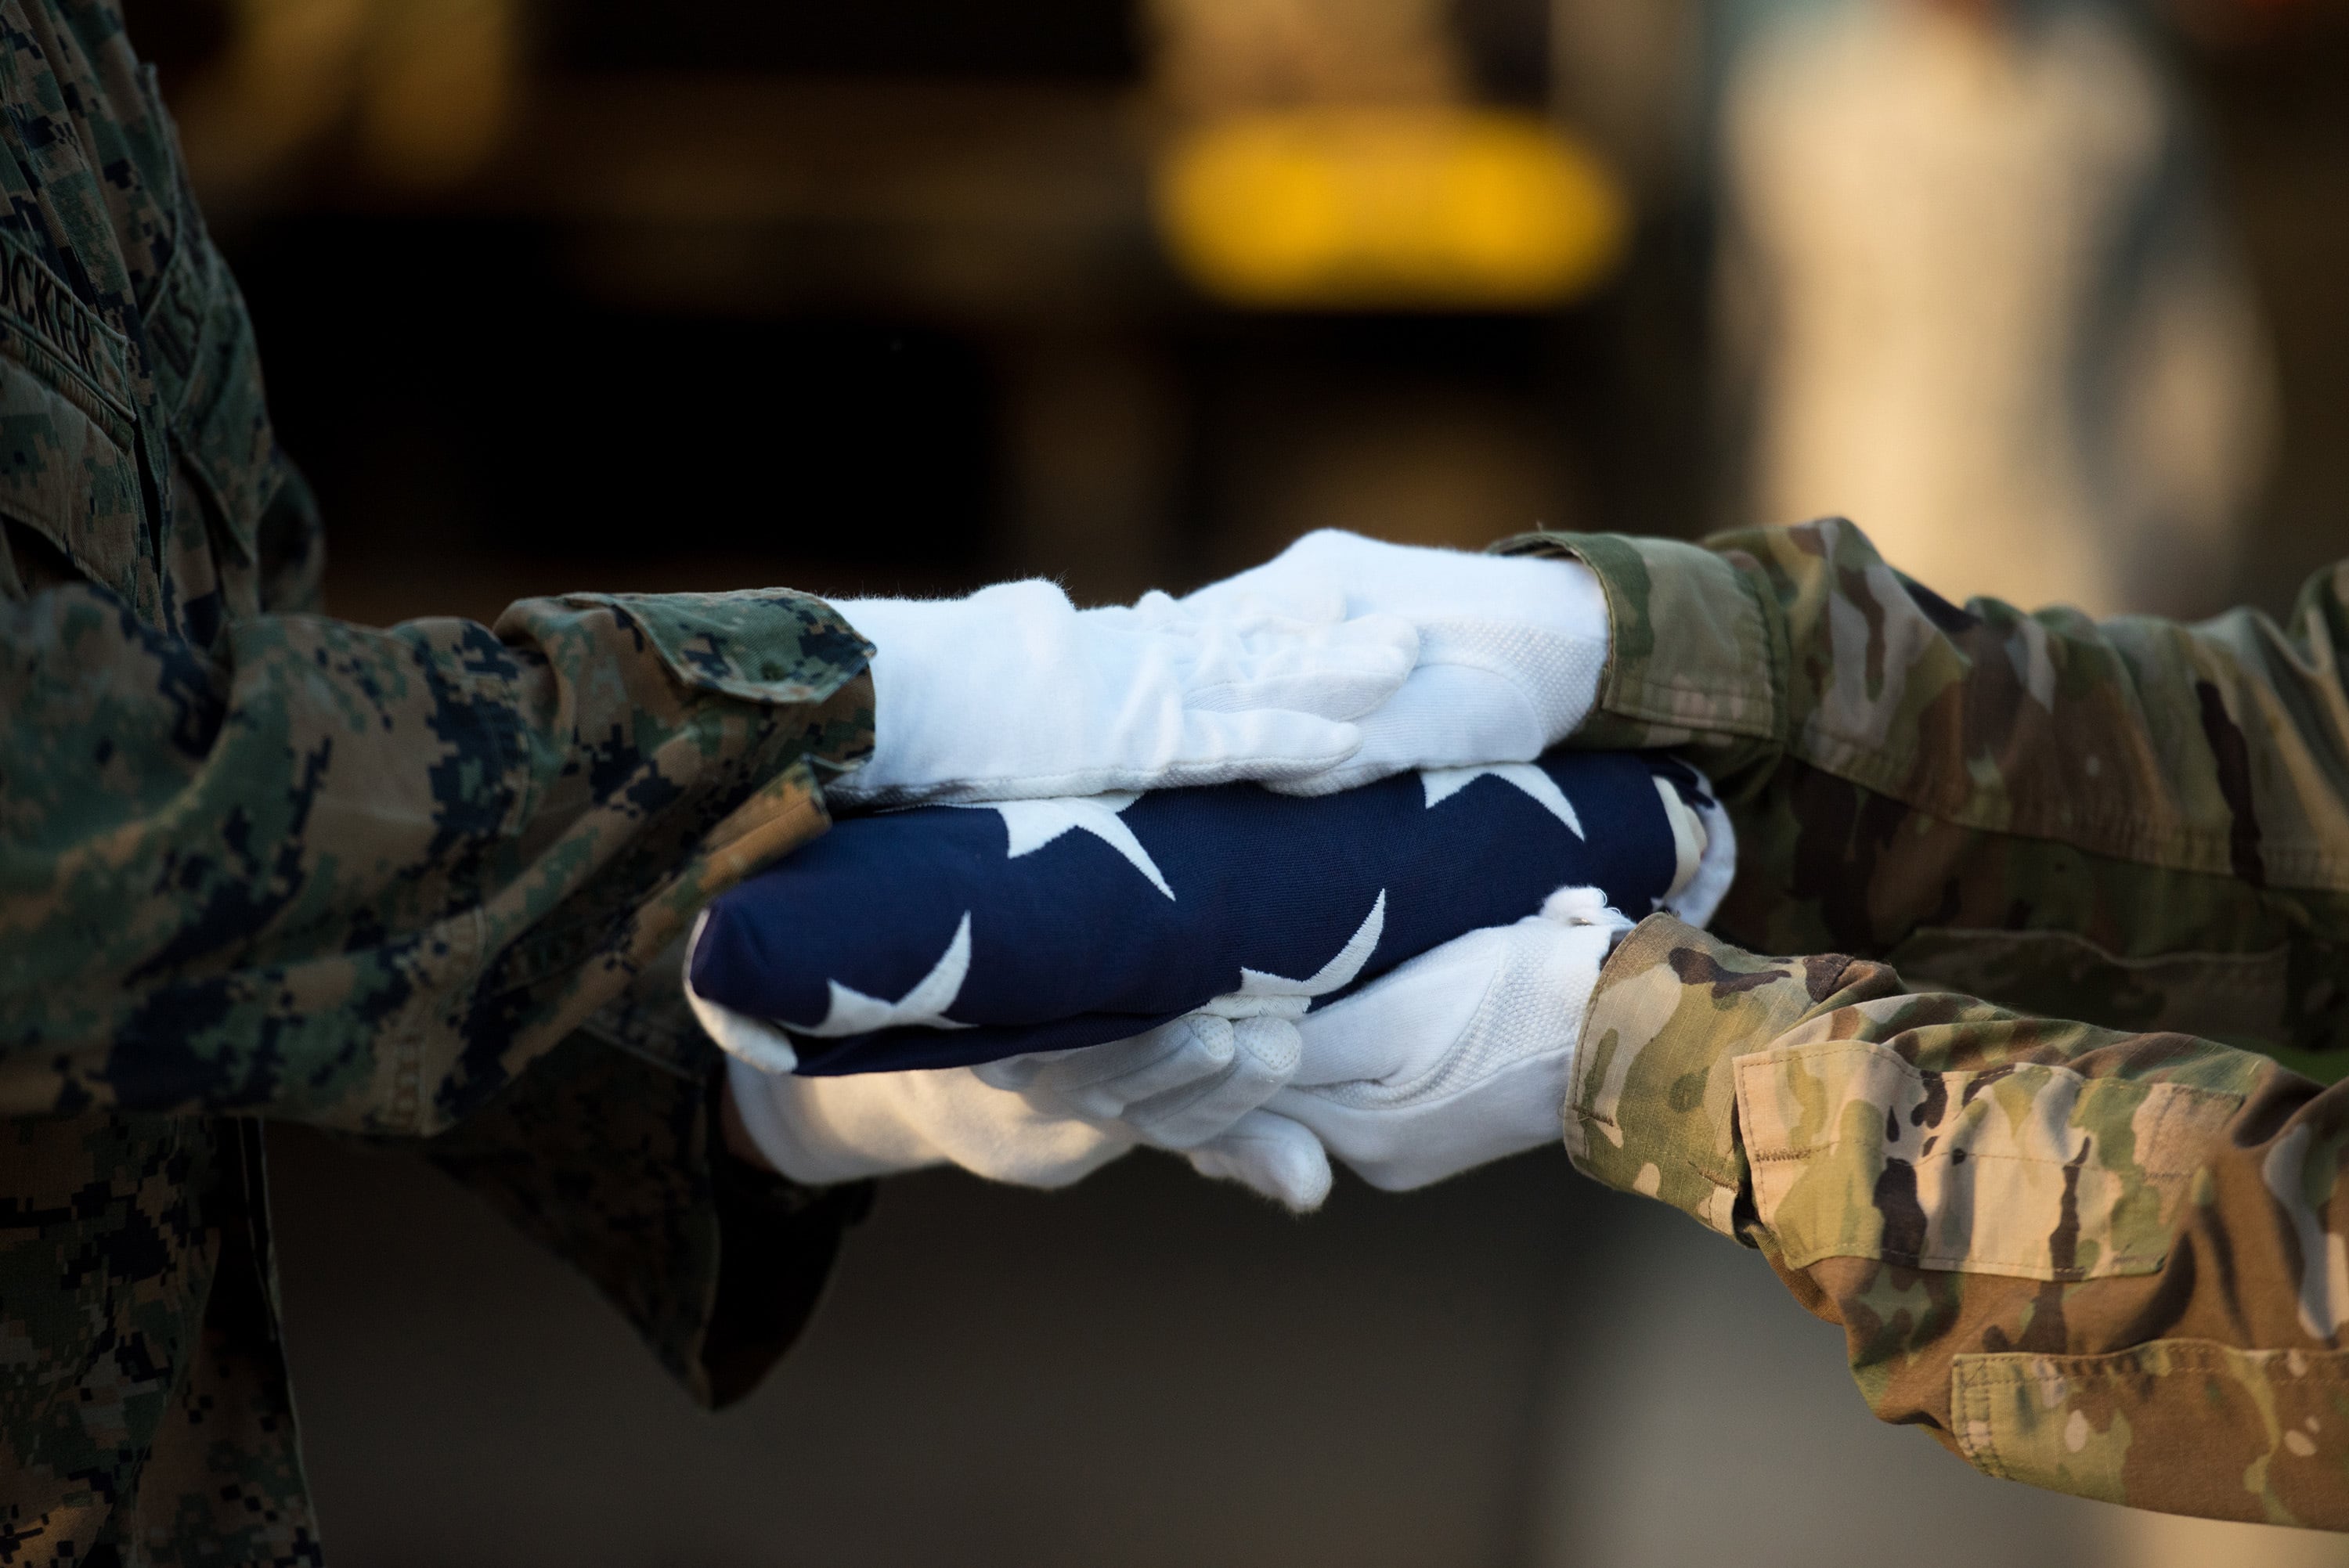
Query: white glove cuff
{"type": "Point", "coordinates": [1549, 638]}
{"type": "Point", "coordinates": [933, 660]}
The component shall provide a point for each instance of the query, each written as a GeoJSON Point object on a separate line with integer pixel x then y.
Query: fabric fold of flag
{"type": "Point", "coordinates": [948, 935]}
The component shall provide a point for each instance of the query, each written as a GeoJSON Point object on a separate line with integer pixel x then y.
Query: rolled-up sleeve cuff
{"type": "Point", "coordinates": [1694, 652]}
{"type": "Point", "coordinates": [1652, 1098]}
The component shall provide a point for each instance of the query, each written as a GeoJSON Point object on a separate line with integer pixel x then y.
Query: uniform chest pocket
{"type": "Point", "coordinates": [68, 472]}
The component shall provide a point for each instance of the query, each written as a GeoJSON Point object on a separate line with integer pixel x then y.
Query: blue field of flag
{"type": "Point", "coordinates": [951, 935]}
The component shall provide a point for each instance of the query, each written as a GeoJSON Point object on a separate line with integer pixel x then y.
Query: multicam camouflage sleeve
{"type": "Point", "coordinates": [2135, 821]}
{"type": "Point", "coordinates": [2104, 1256]}
{"type": "Point", "coordinates": [2110, 1264]}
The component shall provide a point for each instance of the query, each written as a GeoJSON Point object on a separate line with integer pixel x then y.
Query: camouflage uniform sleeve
{"type": "Point", "coordinates": [619, 1166]}
{"type": "Point", "coordinates": [2104, 1264]}
{"type": "Point", "coordinates": [362, 878]}
{"type": "Point", "coordinates": [2135, 821]}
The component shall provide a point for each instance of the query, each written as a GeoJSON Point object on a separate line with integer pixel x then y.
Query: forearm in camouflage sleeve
{"type": "Point", "coordinates": [2136, 821]}
{"type": "Point", "coordinates": [362, 876]}
{"type": "Point", "coordinates": [2108, 1264]}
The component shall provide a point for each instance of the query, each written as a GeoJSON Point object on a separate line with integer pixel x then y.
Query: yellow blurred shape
{"type": "Point", "coordinates": [427, 86]}
{"type": "Point", "coordinates": [1418, 208]}
{"type": "Point", "coordinates": [438, 88]}
{"type": "Point", "coordinates": [285, 77]}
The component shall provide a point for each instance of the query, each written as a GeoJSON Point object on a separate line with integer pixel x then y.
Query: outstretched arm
{"type": "Point", "coordinates": [362, 878]}
{"type": "Point", "coordinates": [2137, 821]}
{"type": "Point", "coordinates": [2108, 1264]}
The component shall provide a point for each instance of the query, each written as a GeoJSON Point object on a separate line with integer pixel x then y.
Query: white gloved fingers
{"type": "Point", "coordinates": [1002, 1137]}
{"type": "Point", "coordinates": [1220, 747]}
{"type": "Point", "coordinates": [1538, 626]}
{"type": "Point", "coordinates": [1086, 1066]}
{"type": "Point", "coordinates": [1445, 712]}
{"type": "Point", "coordinates": [1014, 693]}
{"type": "Point", "coordinates": [1481, 695]}
{"type": "Point", "coordinates": [1102, 1081]}
{"type": "Point", "coordinates": [1460, 1056]}
{"type": "Point", "coordinates": [1265, 1057]}
{"type": "Point", "coordinates": [1404, 1025]}
{"type": "Point", "coordinates": [1425, 583]}
{"type": "Point", "coordinates": [1314, 566]}
{"type": "Point", "coordinates": [1518, 1107]}
{"type": "Point", "coordinates": [1188, 749]}
{"type": "Point", "coordinates": [1556, 669]}
{"type": "Point", "coordinates": [1298, 599]}
{"type": "Point", "coordinates": [1338, 671]}
{"type": "Point", "coordinates": [1273, 1155]}
{"type": "Point", "coordinates": [1175, 1087]}
{"type": "Point", "coordinates": [823, 1130]}
{"type": "Point", "coordinates": [819, 1130]}
{"type": "Point", "coordinates": [1292, 584]}
{"type": "Point", "coordinates": [1499, 1086]}
{"type": "Point", "coordinates": [1314, 605]}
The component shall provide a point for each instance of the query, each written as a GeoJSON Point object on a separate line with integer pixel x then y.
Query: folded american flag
{"type": "Point", "coordinates": [952, 935]}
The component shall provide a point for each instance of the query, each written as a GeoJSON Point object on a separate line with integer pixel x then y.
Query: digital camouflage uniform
{"type": "Point", "coordinates": [254, 862]}
{"type": "Point", "coordinates": [2108, 1256]}
{"type": "Point", "coordinates": [257, 863]}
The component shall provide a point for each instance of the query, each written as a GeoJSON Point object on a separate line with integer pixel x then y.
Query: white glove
{"type": "Point", "coordinates": [1040, 1121]}
{"type": "Point", "coordinates": [1182, 1085]}
{"type": "Point", "coordinates": [1015, 694]}
{"type": "Point", "coordinates": [1511, 648]}
{"type": "Point", "coordinates": [819, 1130]}
{"type": "Point", "coordinates": [1457, 1057]}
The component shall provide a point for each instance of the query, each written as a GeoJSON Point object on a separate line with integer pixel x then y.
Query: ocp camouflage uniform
{"type": "Point", "coordinates": [2108, 1256]}
{"type": "Point", "coordinates": [255, 862]}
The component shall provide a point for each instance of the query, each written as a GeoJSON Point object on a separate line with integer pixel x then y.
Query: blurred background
{"type": "Point", "coordinates": [914, 293]}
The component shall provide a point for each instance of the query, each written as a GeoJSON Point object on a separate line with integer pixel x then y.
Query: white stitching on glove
{"type": "Point", "coordinates": [1511, 648]}
{"type": "Point", "coordinates": [1014, 693]}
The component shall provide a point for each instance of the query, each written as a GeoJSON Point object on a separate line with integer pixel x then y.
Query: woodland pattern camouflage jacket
{"type": "Point", "coordinates": [254, 862]}
{"type": "Point", "coordinates": [2107, 1255]}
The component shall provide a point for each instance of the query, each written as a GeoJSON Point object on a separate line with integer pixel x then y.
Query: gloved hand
{"type": "Point", "coordinates": [1511, 648]}
{"type": "Point", "coordinates": [1182, 1085]}
{"type": "Point", "coordinates": [1015, 694]}
{"type": "Point", "coordinates": [819, 1130]}
{"type": "Point", "coordinates": [1457, 1057]}
{"type": "Point", "coordinates": [1041, 1120]}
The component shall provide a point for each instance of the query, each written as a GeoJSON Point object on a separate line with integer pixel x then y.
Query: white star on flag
{"type": "Point", "coordinates": [1443, 783]}
{"type": "Point", "coordinates": [1278, 997]}
{"type": "Point", "coordinates": [925, 1006]}
{"type": "Point", "coordinates": [1029, 825]}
